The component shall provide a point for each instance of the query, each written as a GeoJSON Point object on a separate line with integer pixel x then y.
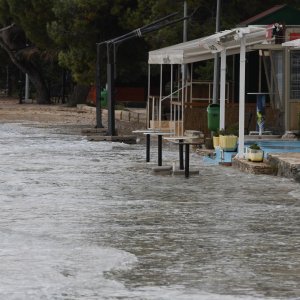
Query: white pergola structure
{"type": "Point", "coordinates": [293, 44]}
{"type": "Point", "coordinates": [228, 42]}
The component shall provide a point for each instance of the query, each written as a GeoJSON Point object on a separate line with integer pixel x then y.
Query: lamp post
{"type": "Point", "coordinates": [98, 91]}
{"type": "Point", "coordinates": [26, 87]}
{"type": "Point", "coordinates": [111, 57]}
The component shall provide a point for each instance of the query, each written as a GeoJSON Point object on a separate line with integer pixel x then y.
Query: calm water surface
{"type": "Point", "coordinates": [82, 220]}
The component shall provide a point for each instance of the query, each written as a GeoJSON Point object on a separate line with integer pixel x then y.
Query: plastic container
{"type": "Point", "coordinates": [103, 97]}
{"type": "Point", "coordinates": [213, 117]}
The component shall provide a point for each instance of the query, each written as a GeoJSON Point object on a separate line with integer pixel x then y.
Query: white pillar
{"type": "Point", "coordinates": [242, 97]}
{"type": "Point", "coordinates": [182, 103]}
{"type": "Point", "coordinates": [160, 97]}
{"type": "Point", "coordinates": [148, 97]}
{"type": "Point", "coordinates": [171, 100]}
{"type": "Point", "coordinates": [223, 89]}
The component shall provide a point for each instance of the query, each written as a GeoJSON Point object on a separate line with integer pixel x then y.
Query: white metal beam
{"type": "Point", "coordinates": [223, 89]}
{"type": "Point", "coordinates": [242, 97]}
{"type": "Point", "coordinates": [160, 96]}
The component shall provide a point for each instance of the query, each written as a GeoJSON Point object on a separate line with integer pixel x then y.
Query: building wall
{"type": "Point", "coordinates": [292, 98]}
{"type": "Point", "coordinates": [195, 118]}
{"type": "Point", "coordinates": [295, 115]}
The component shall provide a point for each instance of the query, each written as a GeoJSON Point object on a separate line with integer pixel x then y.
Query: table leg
{"type": "Point", "coordinates": [159, 150]}
{"type": "Point", "coordinates": [147, 147]}
{"type": "Point", "coordinates": [181, 167]}
{"type": "Point", "coordinates": [187, 161]}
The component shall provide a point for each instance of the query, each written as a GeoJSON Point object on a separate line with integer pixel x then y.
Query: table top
{"type": "Point", "coordinates": [148, 131]}
{"type": "Point", "coordinates": [159, 133]}
{"type": "Point", "coordinates": [178, 138]}
{"type": "Point", "coordinates": [183, 140]}
{"type": "Point", "coordinates": [258, 93]}
{"type": "Point", "coordinates": [143, 131]}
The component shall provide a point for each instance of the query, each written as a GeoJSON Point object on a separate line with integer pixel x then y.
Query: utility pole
{"type": "Point", "coordinates": [111, 87]}
{"type": "Point", "coordinates": [184, 67]}
{"type": "Point", "coordinates": [26, 87]}
{"type": "Point", "coordinates": [216, 59]}
{"type": "Point", "coordinates": [185, 21]}
{"type": "Point", "coordinates": [98, 91]}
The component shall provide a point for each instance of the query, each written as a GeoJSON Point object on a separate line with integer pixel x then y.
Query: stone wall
{"type": "Point", "coordinates": [287, 164]}
{"type": "Point", "coordinates": [122, 115]}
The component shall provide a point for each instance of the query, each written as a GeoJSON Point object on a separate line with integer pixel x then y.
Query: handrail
{"type": "Point", "coordinates": [168, 96]}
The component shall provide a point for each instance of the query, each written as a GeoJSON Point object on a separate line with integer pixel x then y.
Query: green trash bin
{"type": "Point", "coordinates": [103, 97]}
{"type": "Point", "coordinates": [213, 117]}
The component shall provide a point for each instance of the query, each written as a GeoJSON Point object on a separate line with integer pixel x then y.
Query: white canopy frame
{"type": "Point", "coordinates": [228, 42]}
{"type": "Point", "coordinates": [295, 44]}
{"type": "Point", "coordinates": [222, 89]}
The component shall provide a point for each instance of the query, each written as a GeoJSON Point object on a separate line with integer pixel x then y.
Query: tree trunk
{"type": "Point", "coordinates": [13, 43]}
{"type": "Point", "coordinates": [42, 91]}
{"type": "Point", "coordinates": [79, 94]}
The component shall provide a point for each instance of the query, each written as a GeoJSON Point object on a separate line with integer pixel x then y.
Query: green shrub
{"type": "Point", "coordinates": [254, 147]}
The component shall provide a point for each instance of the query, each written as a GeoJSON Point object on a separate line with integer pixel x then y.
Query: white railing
{"type": "Point", "coordinates": [177, 99]}
{"type": "Point", "coordinates": [209, 87]}
{"type": "Point", "coordinates": [154, 111]}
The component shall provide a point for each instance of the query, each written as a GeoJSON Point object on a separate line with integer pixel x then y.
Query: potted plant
{"type": "Point", "coordinates": [216, 139]}
{"type": "Point", "coordinates": [255, 153]}
{"type": "Point", "coordinates": [228, 140]}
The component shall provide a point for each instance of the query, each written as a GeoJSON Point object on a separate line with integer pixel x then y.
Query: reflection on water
{"type": "Point", "coordinates": [82, 220]}
{"type": "Point", "coordinates": [277, 145]}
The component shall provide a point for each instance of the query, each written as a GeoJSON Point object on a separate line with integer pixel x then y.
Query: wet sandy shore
{"type": "Point", "coordinates": [73, 119]}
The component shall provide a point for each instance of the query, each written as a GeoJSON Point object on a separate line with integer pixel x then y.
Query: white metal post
{"type": "Point", "coordinates": [178, 119]}
{"type": "Point", "coordinates": [223, 89]}
{"type": "Point", "coordinates": [171, 100]}
{"type": "Point", "coordinates": [259, 72]}
{"type": "Point", "coordinates": [242, 97]}
{"type": "Point", "coordinates": [191, 89]}
{"type": "Point", "coordinates": [148, 97]}
{"type": "Point", "coordinates": [160, 97]}
{"type": "Point", "coordinates": [183, 66]}
{"type": "Point", "coordinates": [182, 103]}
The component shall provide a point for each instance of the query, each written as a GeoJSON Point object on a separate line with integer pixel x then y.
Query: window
{"type": "Point", "coordinates": [278, 66]}
{"type": "Point", "coordinates": [295, 75]}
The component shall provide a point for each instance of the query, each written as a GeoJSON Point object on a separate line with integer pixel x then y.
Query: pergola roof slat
{"type": "Point", "coordinates": [204, 48]}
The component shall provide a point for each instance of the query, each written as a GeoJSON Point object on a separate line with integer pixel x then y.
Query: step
{"type": "Point", "coordinates": [127, 139]}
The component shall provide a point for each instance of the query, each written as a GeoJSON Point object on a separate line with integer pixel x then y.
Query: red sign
{"type": "Point", "coordinates": [294, 36]}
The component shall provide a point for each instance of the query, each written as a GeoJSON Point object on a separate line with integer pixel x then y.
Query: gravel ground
{"type": "Point", "coordinates": [69, 119]}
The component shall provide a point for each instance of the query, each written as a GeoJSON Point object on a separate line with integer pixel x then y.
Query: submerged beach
{"type": "Point", "coordinates": [83, 220]}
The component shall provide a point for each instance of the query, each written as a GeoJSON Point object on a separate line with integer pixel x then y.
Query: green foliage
{"type": "Point", "coordinates": [254, 147]}
{"type": "Point", "coordinates": [32, 16]}
{"type": "Point", "coordinates": [204, 70]}
{"type": "Point", "coordinates": [68, 30]}
{"type": "Point", "coordinates": [222, 132]}
{"type": "Point", "coordinates": [5, 18]}
{"type": "Point", "coordinates": [217, 133]}
{"type": "Point", "coordinates": [230, 130]}
{"type": "Point", "coordinates": [78, 26]}
{"type": "Point", "coordinates": [233, 129]}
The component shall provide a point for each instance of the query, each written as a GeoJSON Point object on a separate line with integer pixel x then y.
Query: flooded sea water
{"type": "Point", "coordinates": [84, 220]}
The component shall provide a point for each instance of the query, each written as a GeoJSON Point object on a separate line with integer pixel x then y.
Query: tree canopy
{"type": "Point", "coordinates": [65, 32]}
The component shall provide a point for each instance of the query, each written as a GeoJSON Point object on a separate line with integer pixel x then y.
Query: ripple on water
{"type": "Point", "coordinates": [82, 220]}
